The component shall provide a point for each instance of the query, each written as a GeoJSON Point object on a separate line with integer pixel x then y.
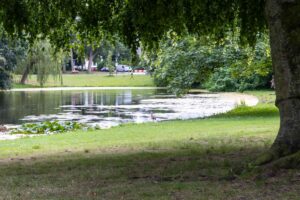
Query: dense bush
{"type": "Point", "coordinates": [223, 66]}
{"type": "Point", "coordinates": [249, 68]}
{"type": "Point", "coordinates": [181, 64]}
{"type": "Point", "coordinates": [5, 79]}
{"type": "Point", "coordinates": [224, 80]}
{"type": "Point", "coordinates": [10, 51]}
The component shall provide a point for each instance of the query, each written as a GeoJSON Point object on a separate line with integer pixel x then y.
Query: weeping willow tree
{"type": "Point", "coordinates": [42, 61]}
{"type": "Point", "coordinates": [147, 21]}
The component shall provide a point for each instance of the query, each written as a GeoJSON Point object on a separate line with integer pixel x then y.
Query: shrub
{"type": "Point", "coordinates": [5, 79]}
{"type": "Point", "coordinates": [223, 79]}
{"type": "Point", "coordinates": [223, 66]}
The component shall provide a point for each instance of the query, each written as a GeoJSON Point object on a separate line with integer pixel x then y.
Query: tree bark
{"type": "Point", "coordinates": [26, 73]}
{"type": "Point", "coordinates": [284, 24]}
{"type": "Point", "coordinates": [90, 63]}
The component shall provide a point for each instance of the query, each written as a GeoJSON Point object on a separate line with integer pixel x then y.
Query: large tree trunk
{"type": "Point", "coordinates": [284, 23]}
{"type": "Point", "coordinates": [90, 63]}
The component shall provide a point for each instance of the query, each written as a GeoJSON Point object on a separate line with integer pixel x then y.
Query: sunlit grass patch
{"type": "Point", "coordinates": [91, 80]}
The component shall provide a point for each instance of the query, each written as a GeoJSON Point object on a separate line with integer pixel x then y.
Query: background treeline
{"type": "Point", "coordinates": [178, 63]}
{"type": "Point", "coordinates": [19, 57]}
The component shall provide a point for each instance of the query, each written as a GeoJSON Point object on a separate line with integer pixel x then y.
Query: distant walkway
{"type": "Point", "coordinates": [240, 98]}
{"type": "Point", "coordinates": [82, 88]}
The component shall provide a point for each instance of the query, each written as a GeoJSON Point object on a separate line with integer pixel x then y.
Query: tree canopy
{"type": "Point", "coordinates": [136, 21]}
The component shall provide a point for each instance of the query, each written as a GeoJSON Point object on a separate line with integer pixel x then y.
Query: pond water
{"type": "Point", "coordinates": [107, 108]}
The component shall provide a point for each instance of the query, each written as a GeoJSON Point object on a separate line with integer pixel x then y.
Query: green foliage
{"type": "Point", "coordinates": [48, 127]}
{"type": "Point", "coordinates": [134, 20]}
{"type": "Point", "coordinates": [189, 62]}
{"type": "Point", "coordinates": [109, 63]}
{"type": "Point", "coordinates": [180, 64]}
{"type": "Point", "coordinates": [11, 50]}
{"type": "Point", "coordinates": [246, 68]}
{"type": "Point", "coordinates": [137, 22]}
{"type": "Point", "coordinates": [148, 21]}
{"type": "Point", "coordinates": [5, 79]}
{"type": "Point", "coordinates": [2, 61]}
{"type": "Point", "coordinates": [45, 63]}
{"type": "Point", "coordinates": [43, 60]}
{"type": "Point", "coordinates": [101, 49]}
{"type": "Point", "coordinates": [224, 80]}
{"type": "Point", "coordinates": [100, 64]}
{"type": "Point", "coordinates": [119, 52]}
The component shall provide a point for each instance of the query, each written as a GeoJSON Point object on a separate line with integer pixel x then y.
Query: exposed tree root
{"type": "Point", "coordinates": [279, 157]}
{"type": "Point", "coordinates": [270, 163]}
{"type": "Point", "coordinates": [266, 158]}
{"type": "Point", "coordinates": [291, 161]}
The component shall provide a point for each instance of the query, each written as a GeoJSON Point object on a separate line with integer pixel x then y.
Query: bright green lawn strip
{"type": "Point", "coordinates": [265, 107]}
{"type": "Point", "coordinates": [94, 80]}
{"type": "Point", "coordinates": [19, 86]}
{"type": "Point", "coordinates": [157, 135]}
{"type": "Point", "coordinates": [259, 111]}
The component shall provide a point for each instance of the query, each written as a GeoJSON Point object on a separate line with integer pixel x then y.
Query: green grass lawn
{"type": "Point", "coordinates": [193, 159]}
{"type": "Point", "coordinates": [90, 80]}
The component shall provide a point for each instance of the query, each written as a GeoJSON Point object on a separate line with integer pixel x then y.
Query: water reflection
{"type": "Point", "coordinates": [107, 108]}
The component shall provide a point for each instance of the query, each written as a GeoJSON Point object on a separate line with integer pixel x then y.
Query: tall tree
{"type": "Point", "coordinates": [147, 21]}
{"type": "Point", "coordinates": [42, 61]}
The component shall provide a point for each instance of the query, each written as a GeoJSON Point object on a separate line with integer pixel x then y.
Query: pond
{"type": "Point", "coordinates": [110, 107]}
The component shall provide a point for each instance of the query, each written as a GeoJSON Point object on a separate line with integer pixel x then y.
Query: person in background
{"type": "Point", "coordinates": [272, 82]}
{"type": "Point", "coordinates": [131, 74]}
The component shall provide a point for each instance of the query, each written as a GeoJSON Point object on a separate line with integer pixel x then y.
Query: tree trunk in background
{"type": "Point", "coordinates": [64, 68]}
{"type": "Point", "coordinates": [25, 74]}
{"type": "Point", "coordinates": [90, 60]}
{"type": "Point", "coordinates": [284, 23]}
{"type": "Point", "coordinates": [72, 61]}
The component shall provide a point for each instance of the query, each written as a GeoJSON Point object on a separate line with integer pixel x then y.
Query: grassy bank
{"type": "Point", "coordinates": [194, 159]}
{"type": "Point", "coordinates": [90, 80]}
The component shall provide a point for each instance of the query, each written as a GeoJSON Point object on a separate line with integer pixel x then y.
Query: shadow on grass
{"type": "Point", "coordinates": [186, 173]}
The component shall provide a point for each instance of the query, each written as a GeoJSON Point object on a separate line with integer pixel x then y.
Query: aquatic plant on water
{"type": "Point", "coordinates": [48, 127]}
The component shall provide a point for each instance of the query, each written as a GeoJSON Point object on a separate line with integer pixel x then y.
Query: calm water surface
{"type": "Point", "coordinates": [107, 108]}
